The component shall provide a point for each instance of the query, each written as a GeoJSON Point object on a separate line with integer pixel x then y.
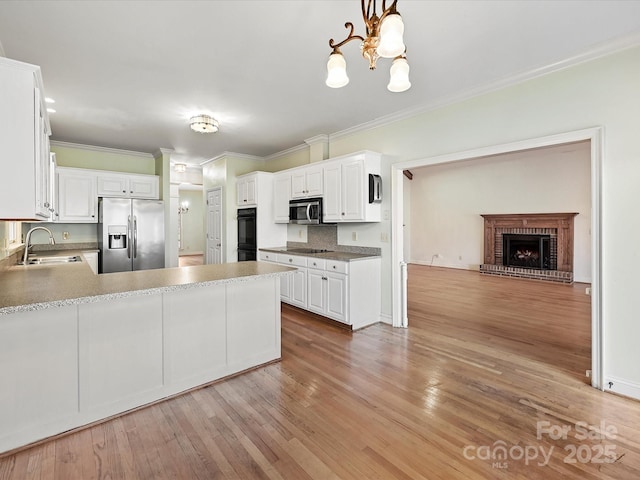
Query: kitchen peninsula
{"type": "Point", "coordinates": [76, 347]}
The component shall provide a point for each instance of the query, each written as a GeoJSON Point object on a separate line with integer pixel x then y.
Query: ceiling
{"type": "Point", "coordinates": [129, 75]}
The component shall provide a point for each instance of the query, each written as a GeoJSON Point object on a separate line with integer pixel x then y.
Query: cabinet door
{"type": "Point", "coordinates": [281, 197]}
{"type": "Point", "coordinates": [298, 184]}
{"type": "Point", "coordinates": [299, 288]}
{"type": "Point", "coordinates": [353, 190]}
{"type": "Point", "coordinates": [252, 191]}
{"type": "Point", "coordinates": [77, 198]}
{"type": "Point", "coordinates": [112, 186]}
{"type": "Point", "coordinates": [314, 181]}
{"type": "Point", "coordinates": [241, 193]}
{"type": "Point", "coordinates": [43, 199]}
{"type": "Point", "coordinates": [336, 287]}
{"type": "Point", "coordinates": [316, 291]}
{"type": "Point", "coordinates": [143, 187]}
{"type": "Point", "coordinates": [286, 282]}
{"type": "Point", "coordinates": [332, 208]}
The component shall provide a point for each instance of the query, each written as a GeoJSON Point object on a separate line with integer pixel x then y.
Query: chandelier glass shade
{"type": "Point", "coordinates": [384, 39]}
{"type": "Point", "coordinates": [204, 124]}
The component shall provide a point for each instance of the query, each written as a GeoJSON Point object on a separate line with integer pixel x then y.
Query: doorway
{"type": "Point", "coordinates": [214, 245]}
{"type": "Point", "coordinates": [594, 136]}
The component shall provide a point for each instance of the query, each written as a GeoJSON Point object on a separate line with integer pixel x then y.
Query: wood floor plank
{"type": "Point", "coordinates": [484, 360]}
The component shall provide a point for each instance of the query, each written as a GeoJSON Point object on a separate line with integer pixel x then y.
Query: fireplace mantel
{"type": "Point", "coordinates": [561, 222]}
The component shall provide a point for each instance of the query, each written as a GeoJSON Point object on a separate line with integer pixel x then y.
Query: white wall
{"type": "Point", "coordinates": [447, 200]}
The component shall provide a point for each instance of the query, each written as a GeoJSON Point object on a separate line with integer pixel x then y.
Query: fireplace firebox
{"type": "Point", "coordinates": [526, 251]}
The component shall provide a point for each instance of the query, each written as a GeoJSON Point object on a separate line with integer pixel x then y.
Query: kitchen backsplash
{"type": "Point", "coordinates": [326, 237]}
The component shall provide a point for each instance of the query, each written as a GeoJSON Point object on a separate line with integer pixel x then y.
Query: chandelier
{"type": "Point", "coordinates": [384, 39]}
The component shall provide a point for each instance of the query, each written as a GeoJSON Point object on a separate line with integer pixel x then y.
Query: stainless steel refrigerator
{"type": "Point", "coordinates": [130, 234]}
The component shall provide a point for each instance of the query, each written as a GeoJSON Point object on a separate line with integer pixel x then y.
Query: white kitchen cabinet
{"type": "Point", "coordinates": [307, 182]}
{"type": "Point", "coordinates": [246, 190]}
{"type": "Point", "coordinates": [344, 291]}
{"type": "Point", "coordinates": [77, 196]}
{"type": "Point", "coordinates": [91, 257]}
{"type": "Point", "coordinates": [112, 184]}
{"type": "Point", "coordinates": [327, 291]}
{"type": "Point", "coordinates": [281, 197]}
{"type": "Point", "coordinates": [346, 197]}
{"type": "Point", "coordinates": [24, 135]}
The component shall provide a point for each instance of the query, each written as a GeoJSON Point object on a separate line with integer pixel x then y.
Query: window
{"type": "Point", "coordinates": [14, 233]}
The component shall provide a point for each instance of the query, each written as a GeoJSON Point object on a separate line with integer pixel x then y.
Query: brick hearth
{"type": "Point", "coordinates": [559, 226]}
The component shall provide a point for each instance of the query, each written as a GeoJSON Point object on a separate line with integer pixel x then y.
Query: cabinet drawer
{"type": "Point", "coordinates": [292, 260]}
{"type": "Point", "coordinates": [336, 266]}
{"type": "Point", "coordinates": [318, 263]}
{"type": "Point", "coordinates": [268, 257]}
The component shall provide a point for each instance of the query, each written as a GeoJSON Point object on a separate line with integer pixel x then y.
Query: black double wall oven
{"type": "Point", "coordinates": [247, 238]}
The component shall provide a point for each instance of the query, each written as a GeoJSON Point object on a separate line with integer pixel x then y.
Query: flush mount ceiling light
{"type": "Point", "coordinates": [384, 39]}
{"type": "Point", "coordinates": [204, 124]}
{"type": "Point", "coordinates": [180, 167]}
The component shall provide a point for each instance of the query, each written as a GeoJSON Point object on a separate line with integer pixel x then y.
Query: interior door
{"type": "Point", "coordinates": [214, 226]}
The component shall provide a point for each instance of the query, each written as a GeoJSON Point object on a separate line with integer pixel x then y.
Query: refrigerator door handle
{"type": "Point", "coordinates": [135, 236]}
{"type": "Point", "coordinates": [129, 236]}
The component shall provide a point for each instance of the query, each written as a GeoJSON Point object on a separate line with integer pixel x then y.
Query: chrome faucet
{"type": "Point", "coordinates": [27, 241]}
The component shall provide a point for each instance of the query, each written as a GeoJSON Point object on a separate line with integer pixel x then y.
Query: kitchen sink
{"type": "Point", "coordinates": [308, 250]}
{"type": "Point", "coordinates": [53, 260]}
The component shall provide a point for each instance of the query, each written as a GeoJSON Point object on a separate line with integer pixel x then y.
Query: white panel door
{"type": "Point", "coordinates": [314, 181]}
{"type": "Point", "coordinates": [353, 190]}
{"type": "Point", "coordinates": [336, 286]}
{"type": "Point", "coordinates": [316, 291]}
{"type": "Point", "coordinates": [77, 198]}
{"type": "Point", "coordinates": [214, 226]}
{"type": "Point", "coordinates": [299, 288]}
{"type": "Point", "coordinates": [332, 204]}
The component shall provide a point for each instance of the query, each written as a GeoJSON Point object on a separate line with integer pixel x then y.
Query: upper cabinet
{"type": "Point", "coordinates": [246, 190]}
{"type": "Point", "coordinates": [77, 197]}
{"type": "Point", "coordinates": [281, 197]}
{"type": "Point", "coordinates": [347, 189]}
{"type": "Point", "coordinates": [112, 184]}
{"type": "Point", "coordinates": [307, 182]}
{"type": "Point", "coordinates": [25, 192]}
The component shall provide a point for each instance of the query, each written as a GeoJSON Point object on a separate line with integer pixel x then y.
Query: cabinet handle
{"type": "Point", "coordinates": [131, 191]}
{"type": "Point", "coordinates": [325, 278]}
{"type": "Point", "coordinates": [342, 213]}
{"type": "Point", "coordinates": [334, 267]}
{"type": "Point", "coordinates": [47, 204]}
{"type": "Point", "coordinates": [291, 260]}
{"type": "Point", "coordinates": [124, 191]}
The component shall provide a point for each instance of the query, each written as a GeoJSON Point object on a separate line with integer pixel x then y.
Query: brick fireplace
{"type": "Point", "coordinates": [537, 246]}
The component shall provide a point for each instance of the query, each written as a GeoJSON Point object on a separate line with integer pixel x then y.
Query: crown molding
{"type": "Point", "coordinates": [317, 139]}
{"type": "Point", "coordinates": [243, 156]}
{"type": "Point", "coordinates": [95, 148]}
{"type": "Point", "coordinates": [288, 151]}
{"type": "Point", "coordinates": [599, 51]}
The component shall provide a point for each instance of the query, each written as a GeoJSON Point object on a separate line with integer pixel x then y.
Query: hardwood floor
{"type": "Point", "coordinates": [484, 359]}
{"type": "Point", "coordinates": [189, 260]}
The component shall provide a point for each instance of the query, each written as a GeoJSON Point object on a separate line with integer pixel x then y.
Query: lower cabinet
{"type": "Point", "coordinates": [341, 290]}
{"type": "Point", "coordinates": [73, 365]}
{"type": "Point", "coordinates": [327, 293]}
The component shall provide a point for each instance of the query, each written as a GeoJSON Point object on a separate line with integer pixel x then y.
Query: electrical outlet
{"type": "Point", "coordinates": [385, 215]}
{"type": "Point", "coordinates": [384, 237]}
{"type": "Point", "coordinates": [460, 257]}
{"type": "Point", "coordinates": [439, 255]}
{"type": "Point", "coordinates": [587, 291]}
{"type": "Point", "coordinates": [354, 236]}
{"type": "Point", "coordinates": [65, 235]}
{"type": "Point", "coordinates": [300, 233]}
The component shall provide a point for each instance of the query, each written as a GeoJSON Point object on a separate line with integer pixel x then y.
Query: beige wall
{"type": "Point", "coordinates": [193, 231]}
{"type": "Point", "coordinates": [601, 92]}
{"type": "Point", "coordinates": [447, 201]}
{"type": "Point", "coordinates": [83, 156]}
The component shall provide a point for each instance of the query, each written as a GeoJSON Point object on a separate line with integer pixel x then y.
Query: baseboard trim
{"type": "Point", "coordinates": [621, 387]}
